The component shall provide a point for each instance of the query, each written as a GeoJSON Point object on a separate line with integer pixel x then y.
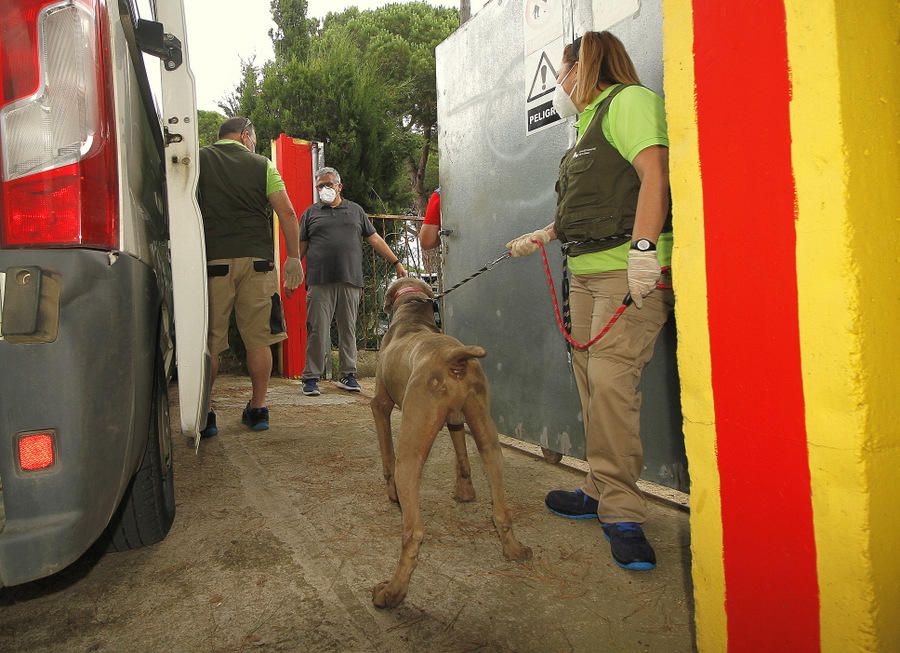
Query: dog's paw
{"type": "Point", "coordinates": [517, 551]}
{"type": "Point", "coordinates": [383, 596]}
{"type": "Point", "coordinates": [392, 491]}
{"type": "Point", "coordinates": [465, 492]}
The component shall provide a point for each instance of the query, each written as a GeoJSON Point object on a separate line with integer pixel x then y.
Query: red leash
{"type": "Point", "coordinates": [559, 321]}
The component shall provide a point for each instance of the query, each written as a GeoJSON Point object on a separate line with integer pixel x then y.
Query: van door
{"type": "Point", "coordinates": [187, 245]}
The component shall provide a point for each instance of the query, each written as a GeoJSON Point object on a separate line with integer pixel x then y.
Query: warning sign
{"type": "Point", "coordinates": [543, 115]}
{"type": "Point", "coordinates": [544, 79]}
{"type": "Point", "coordinates": [540, 82]}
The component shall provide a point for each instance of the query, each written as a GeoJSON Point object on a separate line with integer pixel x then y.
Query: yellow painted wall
{"type": "Point", "coordinates": [843, 58]}
{"type": "Point", "coordinates": [689, 263]}
{"type": "Point", "coordinates": [869, 60]}
{"type": "Point", "coordinates": [845, 66]}
{"type": "Point", "coordinates": [829, 328]}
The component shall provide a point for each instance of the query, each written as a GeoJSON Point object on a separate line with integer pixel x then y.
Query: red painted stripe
{"type": "Point", "coordinates": [743, 94]}
{"type": "Point", "coordinates": [294, 162]}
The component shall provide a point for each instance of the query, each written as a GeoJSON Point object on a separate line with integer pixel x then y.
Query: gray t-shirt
{"type": "Point", "coordinates": [334, 253]}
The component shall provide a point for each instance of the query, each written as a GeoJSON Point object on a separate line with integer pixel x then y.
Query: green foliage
{"type": "Point", "coordinates": [241, 101]}
{"type": "Point", "coordinates": [364, 84]}
{"type": "Point", "coordinates": [294, 31]}
{"type": "Point", "coordinates": [400, 39]}
{"type": "Point", "coordinates": [208, 126]}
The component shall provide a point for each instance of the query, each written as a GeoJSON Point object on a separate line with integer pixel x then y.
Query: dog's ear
{"type": "Point", "coordinates": [389, 299]}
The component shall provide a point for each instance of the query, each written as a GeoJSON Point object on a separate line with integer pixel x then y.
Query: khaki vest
{"type": "Point", "coordinates": [237, 216]}
{"type": "Point", "coordinates": [597, 191]}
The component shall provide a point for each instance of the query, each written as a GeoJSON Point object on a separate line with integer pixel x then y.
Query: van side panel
{"type": "Point", "coordinates": [93, 386]}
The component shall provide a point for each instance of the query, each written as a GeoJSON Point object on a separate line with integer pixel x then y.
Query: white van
{"type": "Point", "coordinates": [101, 248]}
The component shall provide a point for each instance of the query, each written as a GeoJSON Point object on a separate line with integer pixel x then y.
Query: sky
{"type": "Point", "coordinates": [220, 34]}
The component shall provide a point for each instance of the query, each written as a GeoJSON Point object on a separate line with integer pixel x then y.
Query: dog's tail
{"type": "Point", "coordinates": [458, 356]}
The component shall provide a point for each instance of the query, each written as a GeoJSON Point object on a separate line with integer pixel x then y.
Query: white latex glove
{"type": "Point", "coordinates": [292, 273]}
{"type": "Point", "coordinates": [643, 274]}
{"type": "Point", "coordinates": [522, 246]}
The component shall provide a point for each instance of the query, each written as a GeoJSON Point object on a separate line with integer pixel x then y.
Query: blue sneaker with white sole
{"type": "Point", "coordinates": [311, 388]}
{"type": "Point", "coordinates": [630, 548]}
{"type": "Point", "coordinates": [349, 383]}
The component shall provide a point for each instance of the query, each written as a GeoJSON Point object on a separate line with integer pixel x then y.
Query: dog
{"type": "Point", "coordinates": [435, 380]}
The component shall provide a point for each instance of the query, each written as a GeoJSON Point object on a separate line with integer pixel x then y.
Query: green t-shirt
{"type": "Point", "coordinates": [636, 119]}
{"type": "Point", "coordinates": [274, 183]}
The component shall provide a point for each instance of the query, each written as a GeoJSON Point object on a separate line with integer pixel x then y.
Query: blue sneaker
{"type": "Point", "coordinates": [630, 549]}
{"type": "Point", "coordinates": [311, 388]}
{"type": "Point", "coordinates": [210, 429]}
{"type": "Point", "coordinates": [572, 505]}
{"type": "Point", "coordinates": [256, 418]}
{"type": "Point", "coordinates": [349, 383]}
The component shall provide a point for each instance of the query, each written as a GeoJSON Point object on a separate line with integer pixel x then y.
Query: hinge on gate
{"type": "Point", "coordinates": [153, 39]}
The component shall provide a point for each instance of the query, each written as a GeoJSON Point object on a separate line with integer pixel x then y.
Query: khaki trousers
{"type": "Point", "coordinates": [608, 379]}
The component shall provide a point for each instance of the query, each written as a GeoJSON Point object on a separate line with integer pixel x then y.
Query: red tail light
{"type": "Point", "coordinates": [57, 138]}
{"type": "Point", "coordinates": [36, 451]}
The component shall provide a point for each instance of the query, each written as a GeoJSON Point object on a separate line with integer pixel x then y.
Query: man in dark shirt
{"type": "Point", "coordinates": [330, 238]}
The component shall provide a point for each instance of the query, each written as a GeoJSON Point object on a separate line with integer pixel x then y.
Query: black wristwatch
{"type": "Point", "coordinates": [643, 245]}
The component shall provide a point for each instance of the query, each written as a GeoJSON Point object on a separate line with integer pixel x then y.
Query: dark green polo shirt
{"type": "Point", "coordinates": [233, 192]}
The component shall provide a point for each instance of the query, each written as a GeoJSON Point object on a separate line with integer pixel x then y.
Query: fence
{"type": "Point", "coordinates": [401, 233]}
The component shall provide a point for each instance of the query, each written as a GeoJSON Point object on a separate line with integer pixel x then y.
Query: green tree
{"type": "Point", "coordinates": [364, 84]}
{"type": "Point", "coordinates": [335, 97]}
{"type": "Point", "coordinates": [208, 123]}
{"type": "Point", "coordinates": [243, 99]}
{"type": "Point", "coordinates": [400, 39]}
{"type": "Point", "coordinates": [293, 31]}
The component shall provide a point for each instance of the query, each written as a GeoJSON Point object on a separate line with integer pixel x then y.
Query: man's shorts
{"type": "Point", "coordinates": [249, 287]}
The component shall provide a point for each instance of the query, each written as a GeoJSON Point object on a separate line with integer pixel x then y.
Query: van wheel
{"type": "Point", "coordinates": [148, 507]}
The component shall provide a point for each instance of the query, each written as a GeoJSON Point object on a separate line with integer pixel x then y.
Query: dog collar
{"type": "Point", "coordinates": [407, 291]}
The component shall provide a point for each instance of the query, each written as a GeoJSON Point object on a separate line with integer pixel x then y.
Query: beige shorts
{"type": "Point", "coordinates": [235, 284]}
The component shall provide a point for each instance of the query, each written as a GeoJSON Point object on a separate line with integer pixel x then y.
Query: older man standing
{"type": "Point", "coordinates": [331, 232]}
{"type": "Point", "coordinates": [237, 191]}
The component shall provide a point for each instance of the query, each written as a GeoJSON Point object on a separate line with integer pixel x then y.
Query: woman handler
{"type": "Point", "coordinates": [613, 217]}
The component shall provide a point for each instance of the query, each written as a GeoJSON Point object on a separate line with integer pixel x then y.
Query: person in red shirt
{"type": "Point", "coordinates": [430, 233]}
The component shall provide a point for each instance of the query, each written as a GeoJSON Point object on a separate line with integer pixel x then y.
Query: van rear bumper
{"type": "Point", "coordinates": [92, 387]}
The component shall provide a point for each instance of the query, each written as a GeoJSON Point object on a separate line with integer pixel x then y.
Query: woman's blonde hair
{"type": "Point", "coordinates": [601, 59]}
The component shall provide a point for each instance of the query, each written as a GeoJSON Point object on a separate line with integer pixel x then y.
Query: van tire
{"type": "Point", "coordinates": [147, 510]}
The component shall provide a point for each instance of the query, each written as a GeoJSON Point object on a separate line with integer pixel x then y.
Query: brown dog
{"type": "Point", "coordinates": [435, 380]}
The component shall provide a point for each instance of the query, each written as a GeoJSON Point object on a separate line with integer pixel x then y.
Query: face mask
{"type": "Point", "coordinates": [327, 195]}
{"type": "Point", "coordinates": [562, 103]}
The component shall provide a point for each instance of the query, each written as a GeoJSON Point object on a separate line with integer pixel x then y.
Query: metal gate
{"type": "Point", "coordinates": [496, 183]}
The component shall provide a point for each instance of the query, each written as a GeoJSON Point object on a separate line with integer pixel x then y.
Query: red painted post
{"type": "Point", "coordinates": [293, 158]}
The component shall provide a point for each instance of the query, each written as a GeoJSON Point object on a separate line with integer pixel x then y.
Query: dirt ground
{"type": "Point", "coordinates": [280, 536]}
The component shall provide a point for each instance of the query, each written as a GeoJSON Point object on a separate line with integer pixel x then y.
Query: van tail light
{"type": "Point", "coordinates": [36, 451]}
{"type": "Point", "coordinates": [57, 136]}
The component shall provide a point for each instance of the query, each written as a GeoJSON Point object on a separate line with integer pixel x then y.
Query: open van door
{"type": "Point", "coordinates": [187, 246]}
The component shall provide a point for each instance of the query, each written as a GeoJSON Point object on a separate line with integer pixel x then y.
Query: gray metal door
{"type": "Point", "coordinates": [497, 183]}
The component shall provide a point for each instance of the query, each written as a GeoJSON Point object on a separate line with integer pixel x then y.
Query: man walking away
{"type": "Point", "coordinates": [237, 191]}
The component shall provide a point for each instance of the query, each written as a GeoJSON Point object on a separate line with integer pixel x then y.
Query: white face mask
{"type": "Point", "coordinates": [562, 102]}
{"type": "Point", "coordinates": [327, 195]}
